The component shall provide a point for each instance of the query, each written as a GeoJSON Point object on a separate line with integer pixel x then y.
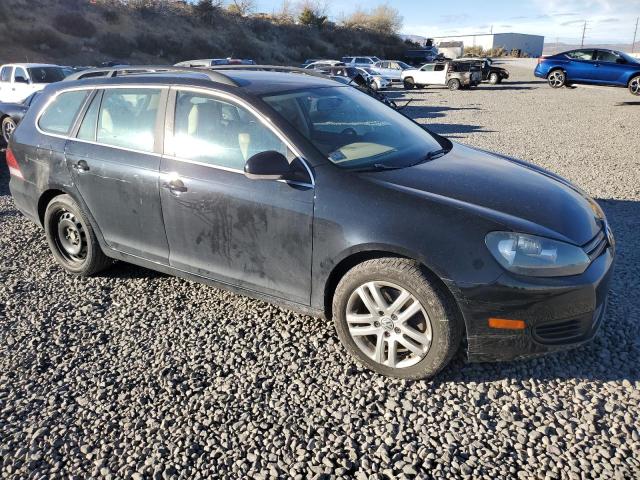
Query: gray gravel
{"type": "Point", "coordinates": [139, 375]}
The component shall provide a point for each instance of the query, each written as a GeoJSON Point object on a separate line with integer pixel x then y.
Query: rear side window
{"type": "Point", "coordinates": [60, 114]}
{"type": "Point", "coordinates": [363, 60]}
{"type": "Point", "coordinates": [5, 74]}
{"type": "Point", "coordinates": [439, 68]}
{"type": "Point", "coordinates": [580, 54]}
{"type": "Point", "coordinates": [20, 75]}
{"type": "Point", "coordinates": [128, 118]}
{"type": "Point", "coordinates": [46, 74]}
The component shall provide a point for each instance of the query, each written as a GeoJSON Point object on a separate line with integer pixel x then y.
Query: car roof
{"type": "Point", "coordinates": [257, 82]}
{"type": "Point", "coordinates": [30, 65]}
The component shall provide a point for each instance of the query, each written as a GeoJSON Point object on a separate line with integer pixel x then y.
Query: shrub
{"type": "Point", "coordinates": [111, 16]}
{"type": "Point", "coordinates": [114, 44]}
{"type": "Point", "coordinates": [73, 23]}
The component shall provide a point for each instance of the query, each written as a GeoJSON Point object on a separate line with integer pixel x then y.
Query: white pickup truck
{"type": "Point", "coordinates": [19, 80]}
{"type": "Point", "coordinates": [454, 75]}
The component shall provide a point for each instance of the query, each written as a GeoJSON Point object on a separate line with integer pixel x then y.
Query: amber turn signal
{"type": "Point", "coordinates": [506, 324]}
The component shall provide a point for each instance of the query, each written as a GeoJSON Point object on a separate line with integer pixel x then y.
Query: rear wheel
{"type": "Point", "coordinates": [409, 84]}
{"type": "Point", "coordinates": [394, 319]}
{"type": "Point", "coordinates": [494, 78]}
{"type": "Point", "coordinates": [634, 85]}
{"type": "Point", "coordinates": [8, 127]}
{"type": "Point", "coordinates": [71, 238]}
{"type": "Point", "coordinates": [454, 84]}
{"type": "Point", "coordinates": [557, 79]}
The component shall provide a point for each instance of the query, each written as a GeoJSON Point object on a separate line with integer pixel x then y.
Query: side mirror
{"type": "Point", "coordinates": [269, 165]}
{"type": "Point", "coordinates": [21, 80]}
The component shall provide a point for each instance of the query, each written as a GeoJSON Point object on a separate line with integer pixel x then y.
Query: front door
{"type": "Point", "coordinates": [114, 159]}
{"type": "Point", "coordinates": [581, 67]}
{"type": "Point", "coordinates": [610, 67]}
{"type": "Point", "coordinates": [255, 234]}
{"type": "Point", "coordinates": [21, 85]}
{"type": "Point", "coordinates": [6, 86]}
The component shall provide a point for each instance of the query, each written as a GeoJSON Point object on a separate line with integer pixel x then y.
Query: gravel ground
{"type": "Point", "coordinates": [134, 374]}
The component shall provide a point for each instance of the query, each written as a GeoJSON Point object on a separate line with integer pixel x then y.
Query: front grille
{"type": "Point", "coordinates": [561, 331]}
{"type": "Point", "coordinates": [596, 246]}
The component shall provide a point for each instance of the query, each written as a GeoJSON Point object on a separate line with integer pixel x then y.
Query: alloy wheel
{"type": "Point", "coordinates": [8, 126]}
{"type": "Point", "coordinates": [634, 86]}
{"type": "Point", "coordinates": [388, 324]}
{"type": "Point", "coordinates": [556, 79]}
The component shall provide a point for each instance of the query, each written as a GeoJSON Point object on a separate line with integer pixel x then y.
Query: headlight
{"type": "Point", "coordinates": [536, 256]}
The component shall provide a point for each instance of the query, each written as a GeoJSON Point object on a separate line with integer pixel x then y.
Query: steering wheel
{"type": "Point", "coordinates": [349, 131]}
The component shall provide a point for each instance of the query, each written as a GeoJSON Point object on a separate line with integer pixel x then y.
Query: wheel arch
{"type": "Point", "coordinates": [45, 198]}
{"type": "Point", "coordinates": [631, 77]}
{"type": "Point", "coordinates": [355, 257]}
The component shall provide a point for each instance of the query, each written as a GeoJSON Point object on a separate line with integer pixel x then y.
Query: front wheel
{"type": "Point", "coordinates": [409, 84]}
{"type": "Point", "coordinates": [8, 127]}
{"type": "Point", "coordinates": [71, 238]}
{"type": "Point", "coordinates": [557, 79]}
{"type": "Point", "coordinates": [494, 78]}
{"type": "Point", "coordinates": [634, 85]}
{"type": "Point", "coordinates": [393, 317]}
{"type": "Point", "coordinates": [454, 84]}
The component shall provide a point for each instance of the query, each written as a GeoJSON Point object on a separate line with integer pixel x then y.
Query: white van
{"type": "Point", "coordinates": [19, 80]}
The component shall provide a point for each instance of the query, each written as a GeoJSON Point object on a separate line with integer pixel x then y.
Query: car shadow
{"type": "Point", "coordinates": [626, 104]}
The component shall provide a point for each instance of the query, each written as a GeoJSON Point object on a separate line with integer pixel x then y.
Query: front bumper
{"type": "Point", "coordinates": [559, 313]}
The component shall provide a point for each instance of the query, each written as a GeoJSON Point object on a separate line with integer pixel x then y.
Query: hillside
{"type": "Point", "coordinates": [87, 32]}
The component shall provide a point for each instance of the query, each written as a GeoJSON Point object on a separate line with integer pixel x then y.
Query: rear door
{"type": "Point", "coordinates": [581, 66]}
{"type": "Point", "coordinates": [255, 234]}
{"type": "Point", "coordinates": [114, 158]}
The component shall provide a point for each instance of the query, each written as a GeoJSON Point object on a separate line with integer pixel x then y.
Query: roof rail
{"type": "Point", "coordinates": [267, 68]}
{"type": "Point", "coordinates": [123, 70]}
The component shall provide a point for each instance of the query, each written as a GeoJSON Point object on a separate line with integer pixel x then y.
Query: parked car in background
{"type": "Point", "coordinates": [19, 80]}
{"type": "Point", "coordinates": [376, 80]}
{"type": "Point", "coordinates": [363, 61]}
{"type": "Point", "coordinates": [490, 73]}
{"type": "Point", "coordinates": [300, 191]}
{"type": "Point", "coordinates": [11, 114]}
{"type": "Point", "coordinates": [595, 66]}
{"type": "Point", "coordinates": [323, 64]}
{"type": "Point", "coordinates": [391, 69]}
{"type": "Point", "coordinates": [354, 75]}
{"type": "Point", "coordinates": [210, 62]}
{"type": "Point", "coordinates": [453, 75]}
{"type": "Point", "coordinates": [419, 56]}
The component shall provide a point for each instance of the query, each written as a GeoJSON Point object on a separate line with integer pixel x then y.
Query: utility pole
{"type": "Point", "coordinates": [633, 45]}
{"type": "Point", "coordinates": [584, 30]}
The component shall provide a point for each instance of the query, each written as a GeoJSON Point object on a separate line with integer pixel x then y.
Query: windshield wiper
{"type": "Point", "coordinates": [431, 156]}
{"type": "Point", "coordinates": [382, 166]}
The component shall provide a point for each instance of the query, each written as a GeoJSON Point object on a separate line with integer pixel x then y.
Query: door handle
{"type": "Point", "coordinates": [81, 166]}
{"type": "Point", "coordinates": [175, 186]}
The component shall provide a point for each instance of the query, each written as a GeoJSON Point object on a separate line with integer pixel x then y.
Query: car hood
{"type": "Point", "coordinates": [511, 192]}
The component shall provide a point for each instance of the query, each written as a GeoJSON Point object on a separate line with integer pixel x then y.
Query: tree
{"type": "Point", "coordinates": [382, 19]}
{"type": "Point", "coordinates": [206, 9]}
{"type": "Point", "coordinates": [312, 18]}
{"type": "Point", "coordinates": [241, 7]}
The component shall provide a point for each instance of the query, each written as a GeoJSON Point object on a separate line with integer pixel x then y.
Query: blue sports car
{"type": "Point", "coordinates": [591, 66]}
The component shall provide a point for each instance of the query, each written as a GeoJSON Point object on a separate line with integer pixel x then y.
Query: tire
{"type": "Point", "coordinates": [454, 84]}
{"type": "Point", "coordinates": [435, 315]}
{"type": "Point", "coordinates": [634, 85]}
{"type": "Point", "coordinates": [374, 86]}
{"type": "Point", "coordinates": [8, 126]}
{"type": "Point", "coordinates": [556, 78]}
{"type": "Point", "coordinates": [71, 238]}
{"type": "Point", "coordinates": [409, 84]}
{"type": "Point", "coordinates": [494, 78]}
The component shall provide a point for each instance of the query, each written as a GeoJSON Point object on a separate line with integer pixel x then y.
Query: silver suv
{"type": "Point", "coordinates": [354, 61]}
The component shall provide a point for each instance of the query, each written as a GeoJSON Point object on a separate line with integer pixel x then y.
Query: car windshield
{"type": "Point", "coordinates": [629, 58]}
{"type": "Point", "coordinates": [46, 74]}
{"type": "Point", "coordinates": [354, 130]}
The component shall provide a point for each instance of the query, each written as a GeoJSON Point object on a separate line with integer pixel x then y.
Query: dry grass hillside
{"type": "Point", "coordinates": [87, 32]}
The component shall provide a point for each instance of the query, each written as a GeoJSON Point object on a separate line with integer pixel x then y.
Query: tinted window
{"type": "Point", "coordinates": [347, 59]}
{"type": "Point", "coordinates": [580, 54]}
{"type": "Point", "coordinates": [128, 118]}
{"type": "Point", "coordinates": [606, 56]}
{"type": "Point", "coordinates": [20, 74]}
{"type": "Point", "coordinates": [363, 60]}
{"type": "Point", "coordinates": [87, 129]}
{"type": "Point", "coordinates": [5, 74]}
{"type": "Point", "coordinates": [427, 68]}
{"type": "Point", "coordinates": [438, 68]}
{"type": "Point", "coordinates": [59, 115]}
{"type": "Point", "coordinates": [46, 74]}
{"type": "Point", "coordinates": [219, 133]}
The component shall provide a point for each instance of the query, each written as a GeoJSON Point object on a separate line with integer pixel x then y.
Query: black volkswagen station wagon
{"type": "Point", "coordinates": [308, 193]}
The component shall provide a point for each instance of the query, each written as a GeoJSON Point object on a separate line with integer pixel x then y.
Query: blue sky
{"type": "Point", "coordinates": [608, 21]}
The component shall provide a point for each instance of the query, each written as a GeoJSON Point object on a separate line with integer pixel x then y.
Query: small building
{"type": "Point", "coordinates": [451, 49]}
{"type": "Point", "coordinates": [529, 45]}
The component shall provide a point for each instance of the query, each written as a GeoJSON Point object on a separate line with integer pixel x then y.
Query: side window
{"type": "Point", "coordinates": [438, 68]}
{"type": "Point", "coordinates": [5, 74]}
{"type": "Point", "coordinates": [20, 75]}
{"type": "Point", "coordinates": [606, 56]}
{"type": "Point", "coordinates": [128, 118]}
{"type": "Point", "coordinates": [580, 54]}
{"type": "Point", "coordinates": [427, 68]}
{"type": "Point", "coordinates": [219, 133]}
{"type": "Point", "coordinates": [87, 129]}
{"type": "Point", "coordinates": [60, 114]}
{"type": "Point", "coordinates": [363, 60]}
